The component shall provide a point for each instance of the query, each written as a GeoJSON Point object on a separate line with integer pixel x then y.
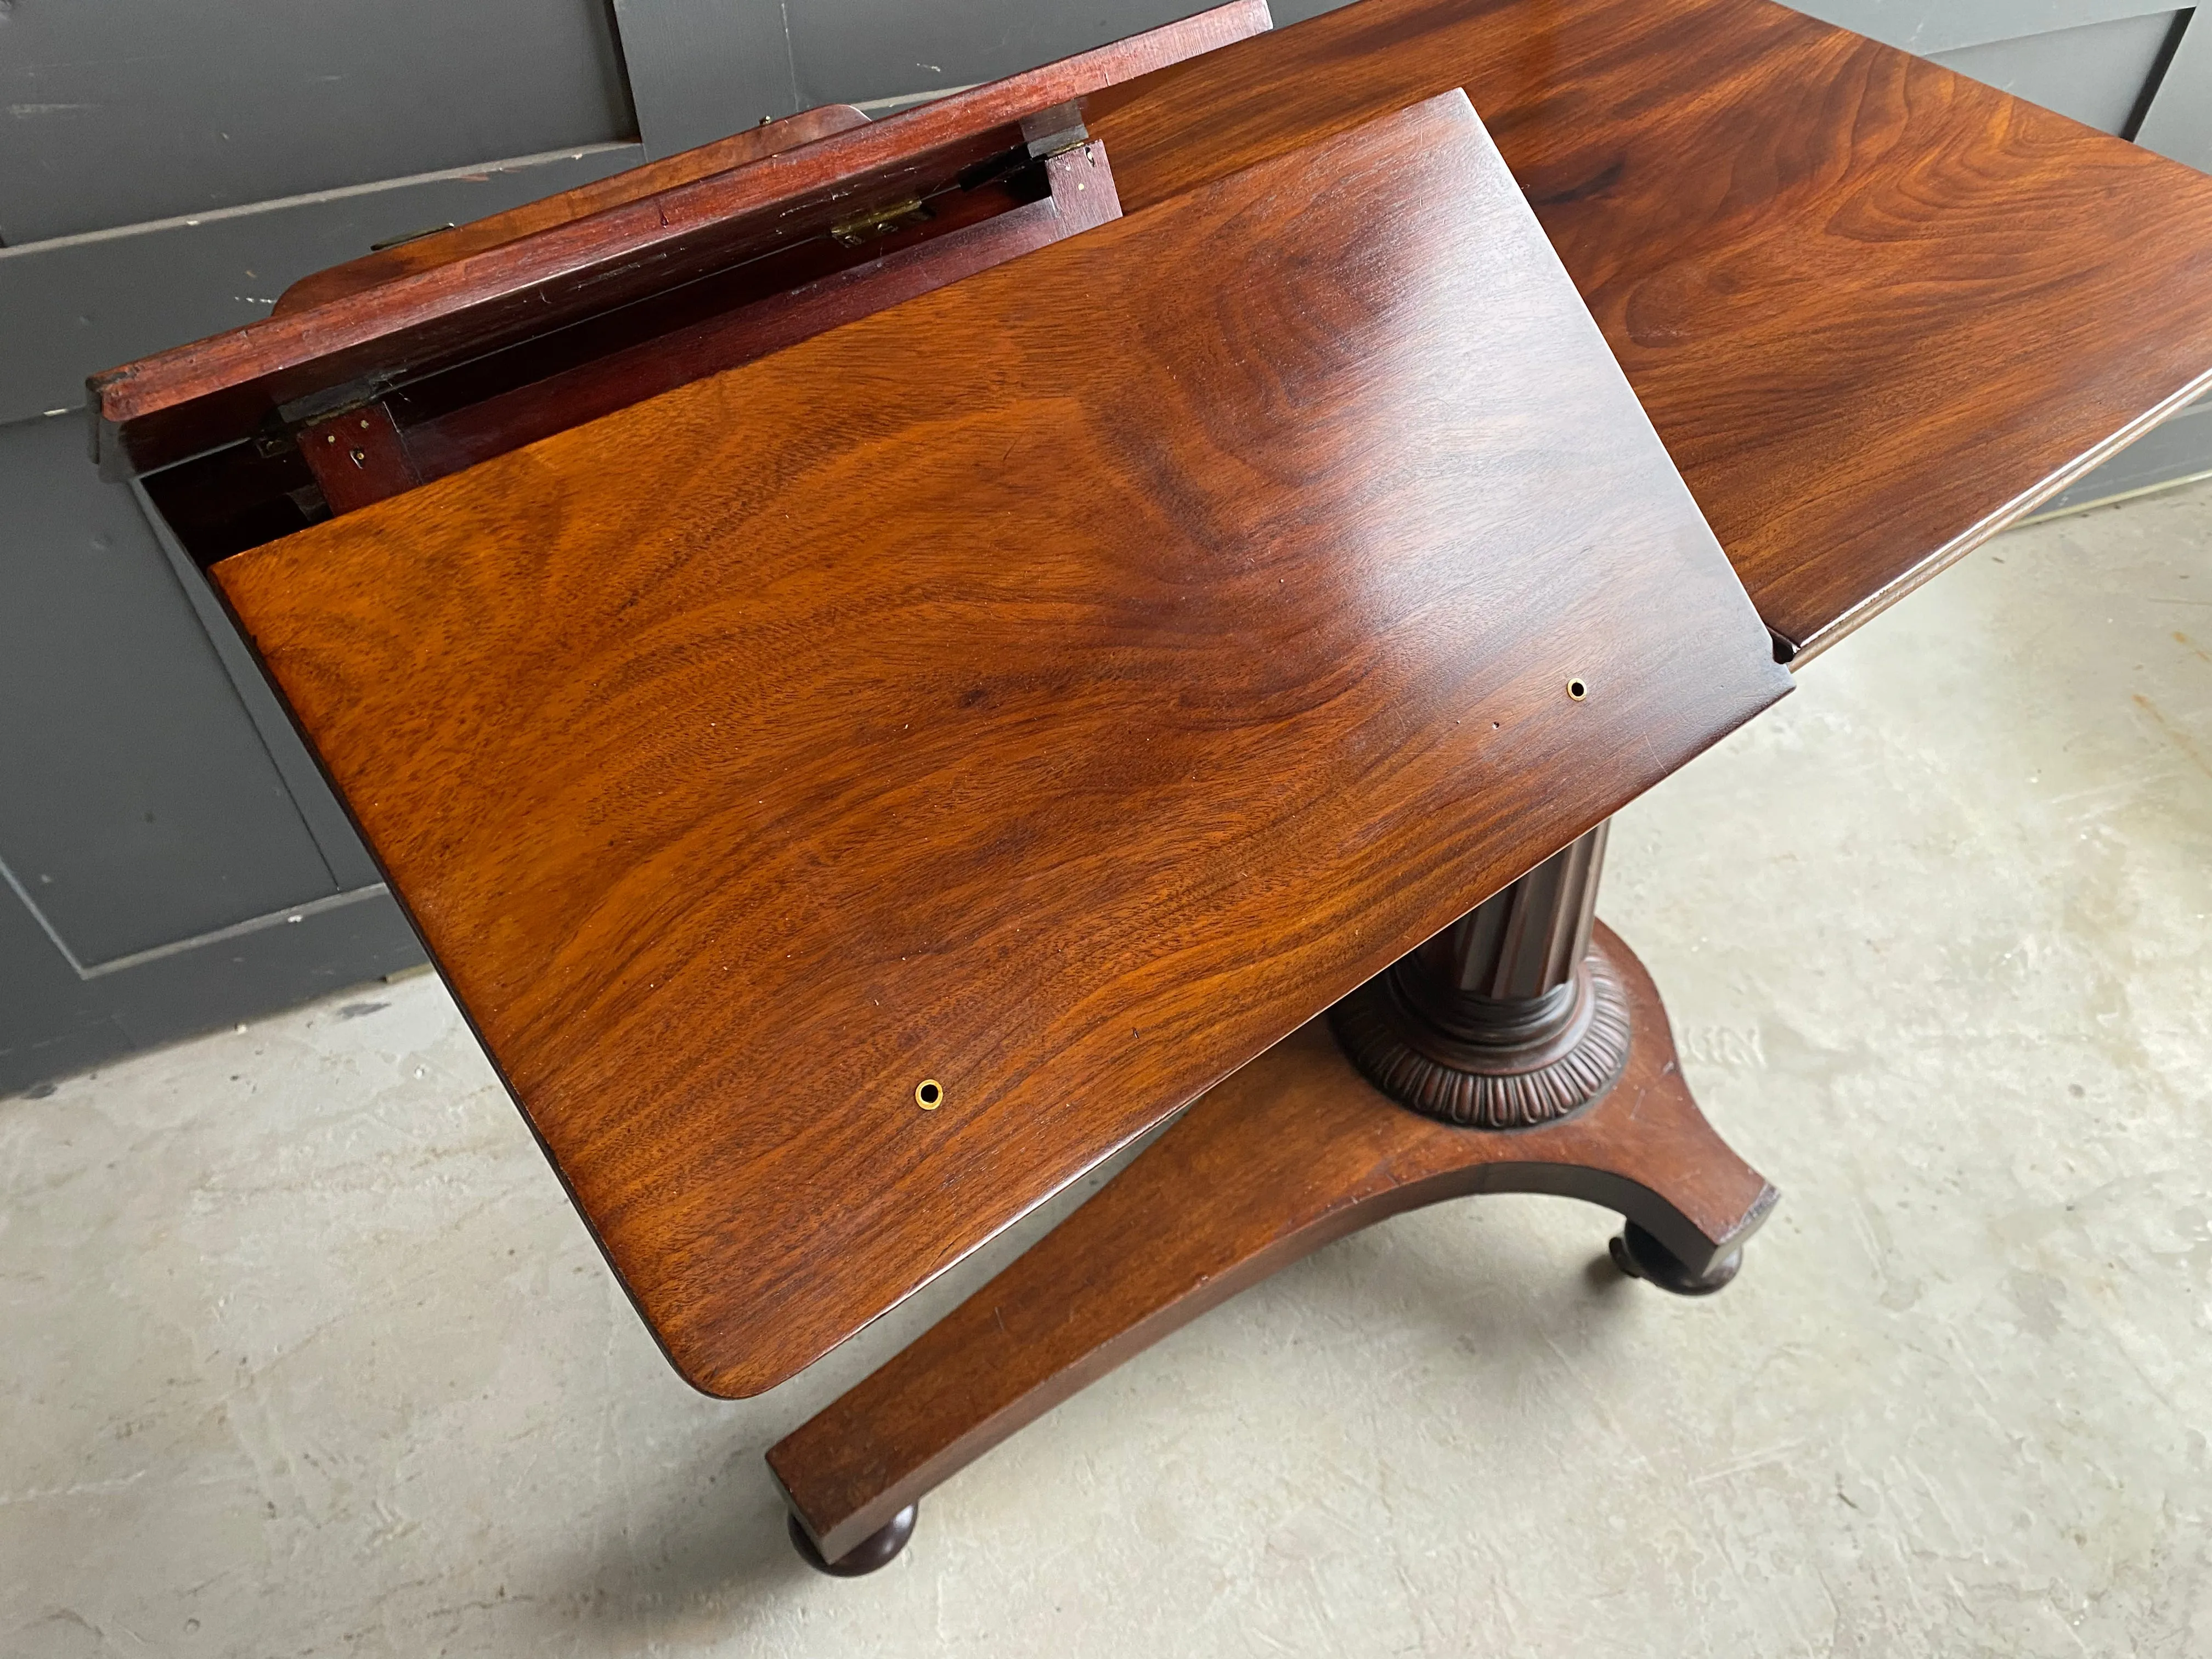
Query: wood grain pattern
{"type": "Point", "coordinates": [179, 402]}
{"type": "Point", "coordinates": [1110, 676]}
{"type": "Point", "coordinates": [1293, 1151]}
{"type": "Point", "coordinates": [443, 247]}
{"type": "Point", "coordinates": [1876, 310]}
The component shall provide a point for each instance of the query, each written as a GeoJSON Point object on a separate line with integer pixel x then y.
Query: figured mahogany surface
{"type": "Point", "coordinates": [442, 247]}
{"type": "Point", "coordinates": [1293, 1151]}
{"type": "Point", "coordinates": [1150, 640]}
{"type": "Point", "coordinates": [1876, 310]}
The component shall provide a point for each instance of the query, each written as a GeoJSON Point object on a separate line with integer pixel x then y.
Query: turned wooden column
{"type": "Point", "coordinates": [1506, 1019]}
{"type": "Point", "coordinates": [1509, 1019]}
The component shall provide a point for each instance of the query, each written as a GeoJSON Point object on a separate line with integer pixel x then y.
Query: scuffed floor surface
{"type": "Point", "coordinates": [302, 1352]}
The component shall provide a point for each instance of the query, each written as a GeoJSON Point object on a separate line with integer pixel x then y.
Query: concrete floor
{"type": "Point", "coordinates": [302, 1352]}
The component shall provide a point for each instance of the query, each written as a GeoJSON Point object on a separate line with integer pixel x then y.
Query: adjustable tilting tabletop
{"type": "Point", "coordinates": [885, 660]}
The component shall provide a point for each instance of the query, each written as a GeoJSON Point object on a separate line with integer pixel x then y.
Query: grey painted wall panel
{"type": "Point", "coordinates": [2181, 448]}
{"type": "Point", "coordinates": [2094, 74]}
{"type": "Point", "coordinates": [131, 109]}
{"type": "Point", "coordinates": [2180, 121]}
{"type": "Point", "coordinates": [68, 308]}
{"type": "Point", "coordinates": [54, 1023]}
{"type": "Point", "coordinates": [1927, 26]}
{"type": "Point", "coordinates": [855, 52]}
{"type": "Point", "coordinates": [701, 69]}
{"type": "Point", "coordinates": [140, 805]}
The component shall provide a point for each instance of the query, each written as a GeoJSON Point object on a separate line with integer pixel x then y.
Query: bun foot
{"type": "Point", "coordinates": [874, 1551]}
{"type": "Point", "coordinates": [1639, 1255]}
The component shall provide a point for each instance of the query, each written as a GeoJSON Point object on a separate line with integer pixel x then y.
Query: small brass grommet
{"type": "Point", "coordinates": [1577, 691]}
{"type": "Point", "coordinates": [929, 1094]}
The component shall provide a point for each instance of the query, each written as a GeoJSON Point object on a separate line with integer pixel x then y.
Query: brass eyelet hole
{"type": "Point", "coordinates": [929, 1094]}
{"type": "Point", "coordinates": [1577, 691]}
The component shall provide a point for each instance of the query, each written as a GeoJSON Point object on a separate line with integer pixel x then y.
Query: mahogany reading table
{"type": "Point", "coordinates": [885, 659]}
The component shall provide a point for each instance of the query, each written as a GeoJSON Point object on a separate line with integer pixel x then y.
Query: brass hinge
{"type": "Point", "coordinates": [880, 221]}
